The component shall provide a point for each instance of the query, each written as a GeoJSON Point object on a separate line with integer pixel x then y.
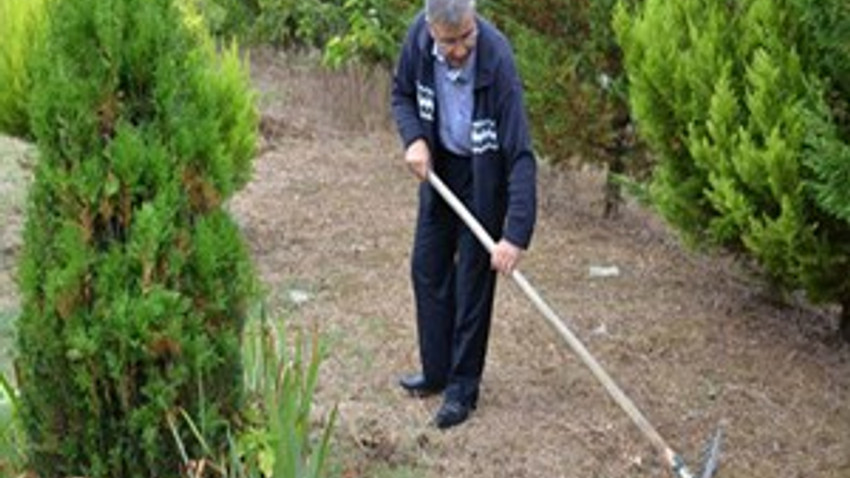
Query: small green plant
{"type": "Point", "coordinates": [277, 439]}
{"type": "Point", "coordinates": [12, 438]}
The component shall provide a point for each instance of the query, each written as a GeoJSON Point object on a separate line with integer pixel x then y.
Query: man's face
{"type": "Point", "coordinates": [456, 42]}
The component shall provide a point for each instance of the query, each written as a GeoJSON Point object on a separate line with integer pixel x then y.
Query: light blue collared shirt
{"type": "Point", "coordinates": [455, 103]}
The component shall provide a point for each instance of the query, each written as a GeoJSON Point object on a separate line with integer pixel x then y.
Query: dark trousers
{"type": "Point", "coordinates": [453, 285]}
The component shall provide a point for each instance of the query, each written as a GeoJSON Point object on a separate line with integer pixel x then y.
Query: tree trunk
{"type": "Point", "coordinates": [616, 153]}
{"type": "Point", "coordinates": [613, 193]}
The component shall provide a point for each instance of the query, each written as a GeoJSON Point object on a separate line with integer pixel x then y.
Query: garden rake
{"type": "Point", "coordinates": [673, 459]}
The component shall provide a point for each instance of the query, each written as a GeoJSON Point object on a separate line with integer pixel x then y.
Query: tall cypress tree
{"type": "Point", "coordinates": [135, 280]}
{"type": "Point", "coordinates": [734, 99]}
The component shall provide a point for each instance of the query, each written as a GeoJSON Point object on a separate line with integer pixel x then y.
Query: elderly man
{"type": "Point", "coordinates": [457, 102]}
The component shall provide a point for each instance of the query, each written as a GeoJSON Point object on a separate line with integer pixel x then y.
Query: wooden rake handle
{"type": "Point", "coordinates": [671, 457]}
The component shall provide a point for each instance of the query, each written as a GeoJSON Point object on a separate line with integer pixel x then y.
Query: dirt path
{"type": "Point", "coordinates": [329, 216]}
{"type": "Point", "coordinates": [14, 156]}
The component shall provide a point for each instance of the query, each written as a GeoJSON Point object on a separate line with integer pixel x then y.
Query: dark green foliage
{"type": "Point", "coordinates": [566, 105]}
{"type": "Point", "coordinates": [135, 281]}
{"type": "Point", "coordinates": [372, 31]}
{"type": "Point", "coordinates": [296, 23]}
{"type": "Point", "coordinates": [828, 154]}
{"type": "Point", "coordinates": [572, 70]}
{"type": "Point", "coordinates": [228, 18]}
{"type": "Point", "coordinates": [565, 113]}
{"type": "Point", "coordinates": [738, 101]}
{"type": "Point", "coordinates": [363, 30]}
{"type": "Point", "coordinates": [826, 50]}
{"type": "Point", "coordinates": [280, 23]}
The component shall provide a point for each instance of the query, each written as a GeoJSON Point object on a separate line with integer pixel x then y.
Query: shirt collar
{"type": "Point", "coordinates": [456, 75]}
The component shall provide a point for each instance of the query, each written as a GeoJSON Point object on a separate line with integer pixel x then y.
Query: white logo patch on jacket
{"type": "Point", "coordinates": [425, 98]}
{"type": "Point", "coordinates": [484, 136]}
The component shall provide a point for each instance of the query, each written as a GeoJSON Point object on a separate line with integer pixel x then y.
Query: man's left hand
{"type": "Point", "coordinates": [505, 257]}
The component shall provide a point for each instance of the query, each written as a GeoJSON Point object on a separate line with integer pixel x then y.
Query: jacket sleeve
{"type": "Point", "coordinates": [520, 161]}
{"type": "Point", "coordinates": [404, 101]}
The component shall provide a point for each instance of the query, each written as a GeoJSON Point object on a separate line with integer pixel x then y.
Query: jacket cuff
{"type": "Point", "coordinates": [410, 134]}
{"type": "Point", "coordinates": [517, 238]}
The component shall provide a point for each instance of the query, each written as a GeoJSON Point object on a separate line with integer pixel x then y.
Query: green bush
{"type": "Point", "coordinates": [22, 26]}
{"type": "Point", "coordinates": [372, 33]}
{"type": "Point", "coordinates": [367, 31]}
{"type": "Point", "coordinates": [135, 281]}
{"type": "Point", "coordinates": [228, 18]}
{"type": "Point", "coordinates": [295, 23]}
{"type": "Point", "coordinates": [750, 155]}
{"type": "Point", "coordinates": [566, 110]}
{"type": "Point", "coordinates": [825, 49]}
{"type": "Point", "coordinates": [280, 23]}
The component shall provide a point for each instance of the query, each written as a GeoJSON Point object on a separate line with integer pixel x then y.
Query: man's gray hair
{"type": "Point", "coordinates": [448, 12]}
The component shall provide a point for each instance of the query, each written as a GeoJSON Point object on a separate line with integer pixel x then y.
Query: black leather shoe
{"type": "Point", "coordinates": [416, 385]}
{"type": "Point", "coordinates": [451, 413]}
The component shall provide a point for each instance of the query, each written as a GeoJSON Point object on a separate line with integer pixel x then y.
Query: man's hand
{"type": "Point", "coordinates": [418, 158]}
{"type": "Point", "coordinates": [505, 257]}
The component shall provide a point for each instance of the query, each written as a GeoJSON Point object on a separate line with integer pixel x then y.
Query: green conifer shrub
{"type": "Point", "coordinates": [135, 281]}
{"type": "Point", "coordinates": [732, 99]}
{"type": "Point", "coordinates": [826, 49]}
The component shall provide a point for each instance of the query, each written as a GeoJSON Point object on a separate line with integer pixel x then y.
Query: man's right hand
{"type": "Point", "coordinates": [418, 158]}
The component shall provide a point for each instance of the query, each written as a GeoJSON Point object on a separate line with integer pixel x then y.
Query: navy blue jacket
{"type": "Point", "coordinates": [503, 165]}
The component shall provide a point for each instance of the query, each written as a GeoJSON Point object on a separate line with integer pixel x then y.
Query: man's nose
{"type": "Point", "coordinates": [459, 51]}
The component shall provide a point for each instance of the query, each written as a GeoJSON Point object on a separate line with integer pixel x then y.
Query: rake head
{"type": "Point", "coordinates": [711, 456]}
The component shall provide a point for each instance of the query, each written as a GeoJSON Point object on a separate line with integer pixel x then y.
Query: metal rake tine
{"type": "Point", "coordinates": [710, 459]}
{"type": "Point", "coordinates": [711, 455]}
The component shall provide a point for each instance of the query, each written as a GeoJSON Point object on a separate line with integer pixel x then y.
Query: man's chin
{"type": "Point", "coordinates": [455, 64]}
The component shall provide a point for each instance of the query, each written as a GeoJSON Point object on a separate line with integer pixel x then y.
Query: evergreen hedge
{"type": "Point", "coordinates": [742, 104]}
{"type": "Point", "coordinates": [135, 281]}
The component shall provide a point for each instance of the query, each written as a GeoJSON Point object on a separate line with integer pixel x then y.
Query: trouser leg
{"type": "Point", "coordinates": [433, 271]}
{"type": "Point", "coordinates": [433, 274]}
{"type": "Point", "coordinates": [454, 289]}
{"type": "Point", "coordinates": [475, 286]}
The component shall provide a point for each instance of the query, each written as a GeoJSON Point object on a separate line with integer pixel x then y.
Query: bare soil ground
{"type": "Point", "coordinates": [14, 176]}
{"type": "Point", "coordinates": [691, 338]}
